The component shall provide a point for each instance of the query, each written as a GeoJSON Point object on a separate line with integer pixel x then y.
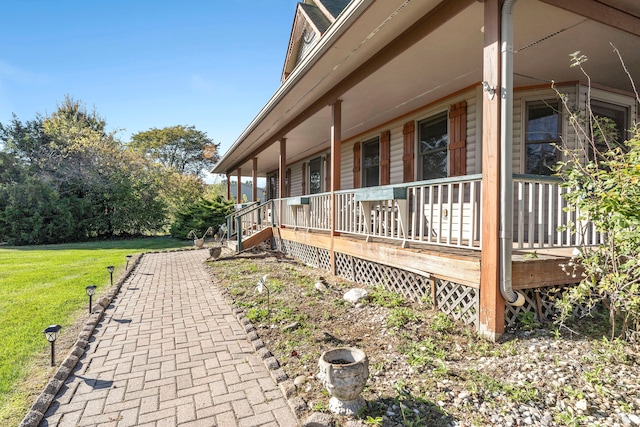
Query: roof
{"type": "Point", "coordinates": [319, 20]}
{"type": "Point", "coordinates": [334, 7]}
{"type": "Point", "coordinates": [375, 43]}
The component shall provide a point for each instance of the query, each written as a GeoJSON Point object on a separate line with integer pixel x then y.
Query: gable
{"type": "Point", "coordinates": [311, 21]}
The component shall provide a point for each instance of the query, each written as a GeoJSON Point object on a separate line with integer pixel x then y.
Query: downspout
{"type": "Point", "coordinates": [506, 156]}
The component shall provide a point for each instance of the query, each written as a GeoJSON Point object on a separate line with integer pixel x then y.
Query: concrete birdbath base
{"type": "Point", "coordinates": [344, 372]}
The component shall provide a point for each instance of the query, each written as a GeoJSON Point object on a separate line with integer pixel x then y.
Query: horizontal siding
{"type": "Point", "coordinates": [396, 155]}
{"type": "Point", "coordinates": [472, 112]}
{"type": "Point", "coordinates": [346, 166]}
{"type": "Point", "coordinates": [518, 133]}
{"type": "Point", "coordinates": [296, 179]}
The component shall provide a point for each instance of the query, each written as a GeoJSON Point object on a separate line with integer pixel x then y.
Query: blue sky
{"type": "Point", "coordinates": [143, 64]}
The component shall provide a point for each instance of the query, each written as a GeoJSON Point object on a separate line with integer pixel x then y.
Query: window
{"type": "Point", "coordinates": [614, 115]}
{"type": "Point", "coordinates": [272, 186]}
{"type": "Point", "coordinates": [315, 175]}
{"type": "Point", "coordinates": [371, 163]}
{"type": "Point", "coordinates": [542, 134]}
{"type": "Point", "coordinates": [432, 157]}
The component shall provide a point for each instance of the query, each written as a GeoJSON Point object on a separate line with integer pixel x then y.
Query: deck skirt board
{"type": "Point", "coordinates": [458, 265]}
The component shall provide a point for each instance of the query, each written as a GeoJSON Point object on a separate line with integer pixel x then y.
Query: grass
{"type": "Point", "coordinates": [43, 285]}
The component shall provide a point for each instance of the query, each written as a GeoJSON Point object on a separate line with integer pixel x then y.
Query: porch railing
{"type": "Point", "coordinates": [308, 212]}
{"type": "Point", "coordinates": [540, 210]}
{"type": "Point", "coordinates": [444, 212]}
{"type": "Point", "coordinates": [249, 219]}
{"type": "Point", "coordinates": [441, 212]}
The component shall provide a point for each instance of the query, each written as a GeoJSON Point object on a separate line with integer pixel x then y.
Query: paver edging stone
{"type": "Point", "coordinates": [46, 398]}
{"type": "Point", "coordinates": [288, 389]}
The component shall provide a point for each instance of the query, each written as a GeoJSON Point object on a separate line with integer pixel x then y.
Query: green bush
{"type": "Point", "coordinates": [606, 190]}
{"type": "Point", "coordinates": [201, 215]}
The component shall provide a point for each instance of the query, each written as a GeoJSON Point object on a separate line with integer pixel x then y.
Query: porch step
{"type": "Point", "coordinates": [253, 240]}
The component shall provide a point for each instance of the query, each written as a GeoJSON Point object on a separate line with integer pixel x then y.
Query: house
{"type": "Point", "coordinates": [246, 191]}
{"type": "Point", "coordinates": [409, 143]}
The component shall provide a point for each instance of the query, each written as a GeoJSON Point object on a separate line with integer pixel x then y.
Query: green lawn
{"type": "Point", "coordinates": [43, 285]}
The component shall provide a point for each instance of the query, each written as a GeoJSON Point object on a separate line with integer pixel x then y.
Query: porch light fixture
{"type": "Point", "coordinates": [110, 270]}
{"type": "Point", "coordinates": [91, 290]}
{"type": "Point", "coordinates": [52, 333]}
{"type": "Point", "coordinates": [491, 91]}
{"type": "Point", "coordinates": [128, 257]}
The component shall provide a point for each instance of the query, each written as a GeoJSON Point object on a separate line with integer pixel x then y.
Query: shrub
{"type": "Point", "coordinates": [606, 189]}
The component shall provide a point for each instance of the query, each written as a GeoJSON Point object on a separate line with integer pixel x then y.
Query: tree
{"type": "Point", "coordinates": [182, 148]}
{"type": "Point", "coordinates": [206, 212]}
{"type": "Point", "coordinates": [74, 170]}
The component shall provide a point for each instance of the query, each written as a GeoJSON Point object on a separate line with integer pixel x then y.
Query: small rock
{"type": "Point", "coordinates": [625, 420]}
{"type": "Point", "coordinates": [321, 285]}
{"type": "Point", "coordinates": [581, 405]}
{"type": "Point", "coordinates": [464, 395]}
{"type": "Point", "coordinates": [318, 419]}
{"type": "Point", "coordinates": [299, 380]}
{"type": "Point", "coordinates": [354, 295]}
{"type": "Point", "coordinates": [635, 420]}
{"type": "Point", "coordinates": [291, 326]}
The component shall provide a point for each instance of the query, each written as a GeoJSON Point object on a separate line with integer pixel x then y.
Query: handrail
{"type": "Point", "coordinates": [244, 222]}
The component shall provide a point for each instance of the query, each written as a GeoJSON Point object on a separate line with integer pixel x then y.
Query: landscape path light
{"type": "Point", "coordinates": [128, 257]}
{"type": "Point", "coordinates": [51, 333]}
{"type": "Point", "coordinates": [110, 270]}
{"type": "Point", "coordinates": [91, 290]}
{"type": "Point", "coordinates": [262, 286]}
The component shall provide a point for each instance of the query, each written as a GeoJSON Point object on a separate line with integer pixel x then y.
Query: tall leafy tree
{"type": "Point", "coordinates": [182, 148]}
{"type": "Point", "coordinates": [80, 180]}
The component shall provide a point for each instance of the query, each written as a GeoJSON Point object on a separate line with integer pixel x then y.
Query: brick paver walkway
{"type": "Point", "coordinates": [169, 352]}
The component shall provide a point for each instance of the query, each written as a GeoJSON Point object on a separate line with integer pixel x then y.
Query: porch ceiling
{"type": "Point", "coordinates": [447, 60]}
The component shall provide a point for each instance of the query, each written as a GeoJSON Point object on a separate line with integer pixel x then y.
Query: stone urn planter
{"type": "Point", "coordinates": [344, 372]}
{"type": "Point", "coordinates": [215, 252]}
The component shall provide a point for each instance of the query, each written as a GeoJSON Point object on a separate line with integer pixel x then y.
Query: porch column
{"type": "Point", "coordinates": [254, 184]}
{"type": "Point", "coordinates": [239, 193]}
{"type": "Point", "coordinates": [491, 316]}
{"type": "Point", "coordinates": [282, 176]}
{"type": "Point", "coordinates": [228, 186]}
{"type": "Point", "coordinates": [336, 140]}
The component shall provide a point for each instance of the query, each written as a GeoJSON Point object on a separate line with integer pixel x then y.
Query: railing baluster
{"type": "Point", "coordinates": [520, 186]}
{"type": "Point", "coordinates": [473, 219]}
{"type": "Point", "coordinates": [460, 213]}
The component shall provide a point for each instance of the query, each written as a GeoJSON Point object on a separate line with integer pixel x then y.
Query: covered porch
{"type": "Point", "coordinates": [383, 73]}
{"type": "Point", "coordinates": [423, 239]}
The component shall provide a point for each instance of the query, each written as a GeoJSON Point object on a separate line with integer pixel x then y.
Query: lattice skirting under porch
{"type": "Point", "coordinates": [412, 286]}
{"type": "Point", "coordinates": [456, 300]}
{"type": "Point", "coordinates": [541, 302]}
{"type": "Point", "coordinates": [309, 255]}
